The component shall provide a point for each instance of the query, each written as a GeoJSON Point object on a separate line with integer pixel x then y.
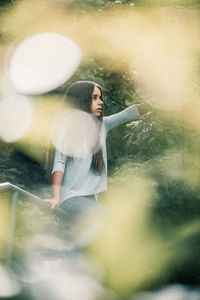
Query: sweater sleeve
{"type": "Point", "coordinates": [127, 115]}
{"type": "Point", "coordinates": [59, 162]}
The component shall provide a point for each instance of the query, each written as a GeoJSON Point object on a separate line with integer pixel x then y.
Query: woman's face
{"type": "Point", "coordinates": [97, 103]}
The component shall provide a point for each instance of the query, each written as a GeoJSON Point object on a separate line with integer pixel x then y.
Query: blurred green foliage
{"type": "Point", "coordinates": [157, 144]}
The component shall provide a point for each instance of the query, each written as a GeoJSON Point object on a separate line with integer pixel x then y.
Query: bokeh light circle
{"type": "Point", "coordinates": [43, 62]}
{"type": "Point", "coordinates": [9, 286]}
{"type": "Point", "coordinates": [15, 118]}
{"type": "Point", "coordinates": [76, 133]}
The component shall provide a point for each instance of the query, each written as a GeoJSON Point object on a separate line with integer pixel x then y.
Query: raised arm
{"type": "Point", "coordinates": [127, 115]}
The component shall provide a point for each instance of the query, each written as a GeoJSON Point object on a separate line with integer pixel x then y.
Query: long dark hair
{"type": "Point", "coordinates": [79, 96]}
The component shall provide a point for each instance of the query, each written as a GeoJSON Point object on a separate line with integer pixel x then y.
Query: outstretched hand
{"type": "Point", "coordinates": [54, 203]}
{"type": "Point", "coordinates": [144, 107]}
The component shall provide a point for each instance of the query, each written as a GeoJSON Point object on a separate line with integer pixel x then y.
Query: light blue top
{"type": "Point", "coordinates": [78, 177]}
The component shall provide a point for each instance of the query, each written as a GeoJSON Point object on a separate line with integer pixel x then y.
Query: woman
{"type": "Point", "coordinates": [77, 181]}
